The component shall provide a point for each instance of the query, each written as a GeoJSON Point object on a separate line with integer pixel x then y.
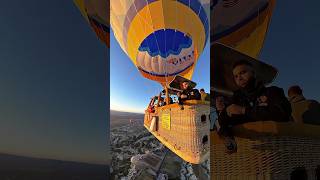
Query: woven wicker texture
{"type": "Point", "coordinates": [267, 150]}
{"type": "Point", "coordinates": [188, 134]}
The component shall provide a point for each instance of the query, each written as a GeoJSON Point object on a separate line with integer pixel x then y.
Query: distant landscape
{"type": "Point", "coordinates": [129, 138]}
{"type": "Point", "coordinates": [14, 167]}
{"type": "Point", "coordinates": [119, 118]}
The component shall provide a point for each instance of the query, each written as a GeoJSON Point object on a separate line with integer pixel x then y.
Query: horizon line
{"type": "Point", "coordinates": [127, 110]}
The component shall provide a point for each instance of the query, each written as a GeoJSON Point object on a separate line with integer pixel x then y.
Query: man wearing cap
{"type": "Point", "coordinates": [187, 93]}
{"type": "Point", "coordinates": [251, 102]}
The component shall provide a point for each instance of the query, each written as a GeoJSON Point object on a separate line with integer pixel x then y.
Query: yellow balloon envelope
{"type": "Point", "coordinates": [241, 24]}
{"type": "Point", "coordinates": [96, 12]}
{"type": "Point", "coordinates": [163, 38]}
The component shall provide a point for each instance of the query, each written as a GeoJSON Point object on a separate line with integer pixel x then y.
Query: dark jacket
{"type": "Point", "coordinates": [276, 108]}
{"type": "Point", "coordinates": [193, 94]}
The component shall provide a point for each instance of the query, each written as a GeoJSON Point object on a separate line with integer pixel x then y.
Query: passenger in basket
{"type": "Point", "coordinates": [204, 96]}
{"type": "Point", "coordinates": [164, 99]}
{"type": "Point", "coordinates": [251, 102]}
{"type": "Point", "coordinates": [161, 102]}
{"type": "Point", "coordinates": [219, 105]}
{"type": "Point", "coordinates": [187, 93]}
{"type": "Point", "coordinates": [151, 108]}
{"type": "Point", "coordinates": [303, 110]}
{"type": "Point", "coordinates": [171, 100]}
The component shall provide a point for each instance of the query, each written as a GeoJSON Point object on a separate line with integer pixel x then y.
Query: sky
{"type": "Point", "coordinates": [292, 46]}
{"type": "Point", "coordinates": [54, 85]}
{"type": "Point", "coordinates": [131, 92]}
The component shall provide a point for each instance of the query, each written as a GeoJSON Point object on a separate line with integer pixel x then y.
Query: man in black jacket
{"type": "Point", "coordinates": [252, 102]}
{"type": "Point", "coordinates": [187, 93]}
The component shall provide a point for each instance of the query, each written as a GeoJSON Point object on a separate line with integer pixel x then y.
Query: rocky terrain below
{"type": "Point", "coordinates": [133, 139]}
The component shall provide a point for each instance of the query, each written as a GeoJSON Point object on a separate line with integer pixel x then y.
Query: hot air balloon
{"type": "Point", "coordinates": [163, 39]}
{"type": "Point", "coordinates": [266, 149]}
{"type": "Point", "coordinates": [96, 13]}
{"type": "Point", "coordinates": [241, 24]}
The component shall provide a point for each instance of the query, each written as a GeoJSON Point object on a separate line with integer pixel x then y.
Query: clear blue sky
{"type": "Point", "coordinates": [292, 45]}
{"type": "Point", "coordinates": [131, 92]}
{"type": "Point", "coordinates": [53, 76]}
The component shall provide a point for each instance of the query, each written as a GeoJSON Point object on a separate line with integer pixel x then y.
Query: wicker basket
{"type": "Point", "coordinates": [185, 132]}
{"type": "Point", "coordinates": [267, 150]}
